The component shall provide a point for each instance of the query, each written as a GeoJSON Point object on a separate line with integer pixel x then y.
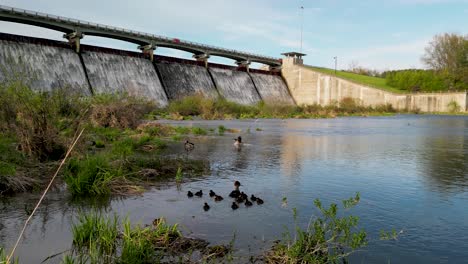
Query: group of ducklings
{"type": "Point", "coordinates": [240, 197]}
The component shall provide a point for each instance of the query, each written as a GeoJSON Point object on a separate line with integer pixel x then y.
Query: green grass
{"type": "Point", "coordinates": [375, 82]}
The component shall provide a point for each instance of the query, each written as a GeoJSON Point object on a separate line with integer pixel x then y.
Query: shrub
{"type": "Point", "coordinates": [118, 111]}
{"type": "Point", "coordinates": [327, 239]}
{"type": "Point", "coordinates": [453, 107]}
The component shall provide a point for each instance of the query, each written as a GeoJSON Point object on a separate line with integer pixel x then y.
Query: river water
{"type": "Point", "coordinates": [411, 172]}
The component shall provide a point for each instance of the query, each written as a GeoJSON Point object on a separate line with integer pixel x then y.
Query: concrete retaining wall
{"type": "Point", "coordinates": [311, 87]}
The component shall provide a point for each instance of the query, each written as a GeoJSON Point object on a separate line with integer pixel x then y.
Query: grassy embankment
{"type": "Point", "coordinates": [221, 109]}
{"type": "Point", "coordinates": [375, 82]}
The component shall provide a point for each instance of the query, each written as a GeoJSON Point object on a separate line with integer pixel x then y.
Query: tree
{"type": "Point", "coordinates": [448, 54]}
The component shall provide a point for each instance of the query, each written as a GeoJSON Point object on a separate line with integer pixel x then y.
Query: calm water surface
{"type": "Point", "coordinates": [411, 171]}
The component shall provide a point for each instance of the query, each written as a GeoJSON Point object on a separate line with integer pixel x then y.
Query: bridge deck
{"type": "Point", "coordinates": [69, 25]}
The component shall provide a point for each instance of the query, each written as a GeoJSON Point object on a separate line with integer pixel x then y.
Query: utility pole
{"type": "Point", "coordinates": [302, 22]}
{"type": "Point", "coordinates": [336, 62]}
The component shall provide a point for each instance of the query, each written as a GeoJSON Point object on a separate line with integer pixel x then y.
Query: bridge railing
{"type": "Point", "coordinates": [98, 26]}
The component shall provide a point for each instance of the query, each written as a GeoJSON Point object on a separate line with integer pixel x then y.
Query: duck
{"type": "Point", "coordinates": [236, 192]}
{"type": "Point", "coordinates": [259, 201]}
{"type": "Point", "coordinates": [189, 146]}
{"type": "Point", "coordinates": [240, 199]}
{"type": "Point", "coordinates": [190, 194]}
{"type": "Point", "coordinates": [244, 196]}
{"type": "Point", "coordinates": [253, 198]}
{"type": "Point", "coordinates": [206, 207]}
{"type": "Point", "coordinates": [218, 198]}
{"type": "Point", "coordinates": [212, 193]}
{"type": "Point", "coordinates": [158, 221]}
{"type": "Point", "coordinates": [238, 141]}
{"type": "Point", "coordinates": [248, 203]}
{"type": "Point", "coordinates": [234, 206]}
{"type": "Point", "coordinates": [199, 193]}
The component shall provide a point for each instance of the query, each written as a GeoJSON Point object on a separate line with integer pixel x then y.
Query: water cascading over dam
{"type": "Point", "coordinates": [182, 80]}
{"type": "Point", "coordinates": [272, 88]}
{"type": "Point", "coordinates": [115, 73]}
{"type": "Point", "coordinates": [235, 86]}
{"type": "Point", "coordinates": [42, 67]}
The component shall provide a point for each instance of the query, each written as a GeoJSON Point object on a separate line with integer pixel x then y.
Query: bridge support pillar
{"type": "Point", "coordinates": [203, 58]}
{"type": "Point", "coordinates": [148, 50]}
{"type": "Point", "coordinates": [243, 65]}
{"type": "Point", "coordinates": [74, 39]}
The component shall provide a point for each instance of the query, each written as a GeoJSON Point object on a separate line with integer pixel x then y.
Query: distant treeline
{"type": "Point", "coordinates": [415, 80]}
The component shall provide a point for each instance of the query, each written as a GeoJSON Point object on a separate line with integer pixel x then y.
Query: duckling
{"type": "Point", "coordinates": [253, 198]}
{"type": "Point", "coordinates": [189, 146]}
{"type": "Point", "coordinates": [244, 196]}
{"type": "Point", "coordinates": [234, 206]}
{"type": "Point", "coordinates": [212, 193]}
{"type": "Point", "coordinates": [206, 207]}
{"type": "Point", "coordinates": [158, 221]}
{"type": "Point", "coordinates": [199, 193]}
{"type": "Point", "coordinates": [234, 194]}
{"type": "Point", "coordinates": [238, 142]}
{"type": "Point", "coordinates": [218, 198]}
{"type": "Point", "coordinates": [248, 203]}
{"type": "Point", "coordinates": [259, 201]}
{"type": "Point", "coordinates": [240, 199]}
{"type": "Point", "coordinates": [190, 194]}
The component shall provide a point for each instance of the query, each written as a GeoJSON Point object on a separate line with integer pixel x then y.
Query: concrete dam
{"type": "Point", "coordinates": [53, 64]}
{"type": "Point", "coordinates": [89, 70]}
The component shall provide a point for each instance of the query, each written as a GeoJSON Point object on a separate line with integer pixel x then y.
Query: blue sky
{"type": "Point", "coordinates": [380, 34]}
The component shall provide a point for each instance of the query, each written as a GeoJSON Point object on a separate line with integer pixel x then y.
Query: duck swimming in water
{"type": "Point", "coordinates": [248, 203]}
{"type": "Point", "coordinates": [238, 142]}
{"type": "Point", "coordinates": [189, 146]}
{"type": "Point", "coordinates": [259, 201]}
{"type": "Point", "coordinates": [239, 199]}
{"type": "Point", "coordinates": [218, 198]}
{"type": "Point", "coordinates": [253, 198]}
{"type": "Point", "coordinates": [206, 207]}
{"type": "Point", "coordinates": [236, 192]}
{"type": "Point", "coordinates": [234, 206]}
{"type": "Point", "coordinates": [244, 196]}
{"type": "Point", "coordinates": [212, 193]}
{"type": "Point", "coordinates": [190, 194]}
{"type": "Point", "coordinates": [199, 193]}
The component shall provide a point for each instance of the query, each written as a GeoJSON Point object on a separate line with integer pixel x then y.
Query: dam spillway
{"type": "Point", "coordinates": [42, 67]}
{"type": "Point", "coordinates": [50, 65]}
{"type": "Point", "coordinates": [272, 88]}
{"type": "Point", "coordinates": [115, 73]}
{"type": "Point", "coordinates": [181, 80]}
{"type": "Point", "coordinates": [235, 86]}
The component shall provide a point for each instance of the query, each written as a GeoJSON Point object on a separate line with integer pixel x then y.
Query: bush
{"type": "Point", "coordinates": [118, 111]}
{"type": "Point", "coordinates": [453, 107]}
{"type": "Point", "coordinates": [327, 239]}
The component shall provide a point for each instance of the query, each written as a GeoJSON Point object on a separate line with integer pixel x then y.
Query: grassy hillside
{"type": "Point", "coordinates": [375, 82]}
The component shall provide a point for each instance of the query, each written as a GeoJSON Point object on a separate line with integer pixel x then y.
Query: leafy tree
{"type": "Point", "coordinates": [448, 54]}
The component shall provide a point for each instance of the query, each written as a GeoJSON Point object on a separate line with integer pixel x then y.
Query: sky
{"type": "Point", "coordinates": [376, 34]}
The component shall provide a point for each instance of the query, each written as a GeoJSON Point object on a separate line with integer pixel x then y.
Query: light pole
{"type": "Point", "coordinates": [336, 62]}
{"type": "Point", "coordinates": [302, 22]}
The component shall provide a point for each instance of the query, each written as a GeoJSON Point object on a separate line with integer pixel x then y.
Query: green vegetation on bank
{"type": "Point", "coordinates": [371, 81]}
{"type": "Point", "coordinates": [207, 108]}
{"type": "Point", "coordinates": [327, 239]}
{"type": "Point", "coordinates": [101, 239]}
